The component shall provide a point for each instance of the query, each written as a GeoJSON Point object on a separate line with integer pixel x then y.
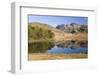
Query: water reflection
{"type": "Point", "coordinates": [39, 47]}
{"type": "Point", "coordinates": [58, 47]}
{"type": "Point", "coordinates": [72, 44]}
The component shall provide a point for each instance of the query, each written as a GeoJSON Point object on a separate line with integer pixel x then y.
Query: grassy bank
{"type": "Point", "coordinates": [41, 40]}
{"type": "Point", "coordinates": [33, 56]}
{"type": "Point", "coordinates": [70, 36]}
{"type": "Point", "coordinates": [63, 37]}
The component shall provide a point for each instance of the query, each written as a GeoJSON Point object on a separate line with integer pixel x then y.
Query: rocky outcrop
{"type": "Point", "coordinates": [72, 28]}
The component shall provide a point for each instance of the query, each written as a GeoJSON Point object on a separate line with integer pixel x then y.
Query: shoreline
{"type": "Point", "coordinates": [67, 37]}
{"type": "Point", "coordinates": [39, 56]}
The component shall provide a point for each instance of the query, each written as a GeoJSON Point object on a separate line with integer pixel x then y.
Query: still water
{"type": "Point", "coordinates": [63, 47]}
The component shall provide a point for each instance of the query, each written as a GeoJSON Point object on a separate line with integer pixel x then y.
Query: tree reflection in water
{"type": "Point", "coordinates": [40, 47]}
{"type": "Point", "coordinates": [43, 47]}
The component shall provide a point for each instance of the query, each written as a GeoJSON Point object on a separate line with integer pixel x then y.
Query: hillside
{"type": "Point", "coordinates": [57, 34]}
{"type": "Point", "coordinates": [44, 26]}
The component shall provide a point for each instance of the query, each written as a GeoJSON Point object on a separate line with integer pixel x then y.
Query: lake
{"type": "Point", "coordinates": [62, 47]}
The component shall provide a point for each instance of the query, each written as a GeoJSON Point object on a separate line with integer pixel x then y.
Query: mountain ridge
{"type": "Point", "coordinates": [61, 34]}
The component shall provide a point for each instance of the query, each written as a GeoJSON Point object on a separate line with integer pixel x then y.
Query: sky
{"type": "Point", "coordinates": [57, 20]}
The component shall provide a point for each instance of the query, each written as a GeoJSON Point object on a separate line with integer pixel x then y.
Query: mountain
{"type": "Point", "coordinates": [72, 28]}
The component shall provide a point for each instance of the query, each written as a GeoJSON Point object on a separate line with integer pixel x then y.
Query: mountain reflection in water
{"type": "Point", "coordinates": [62, 47]}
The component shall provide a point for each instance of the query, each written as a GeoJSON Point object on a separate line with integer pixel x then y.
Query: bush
{"type": "Point", "coordinates": [39, 33]}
